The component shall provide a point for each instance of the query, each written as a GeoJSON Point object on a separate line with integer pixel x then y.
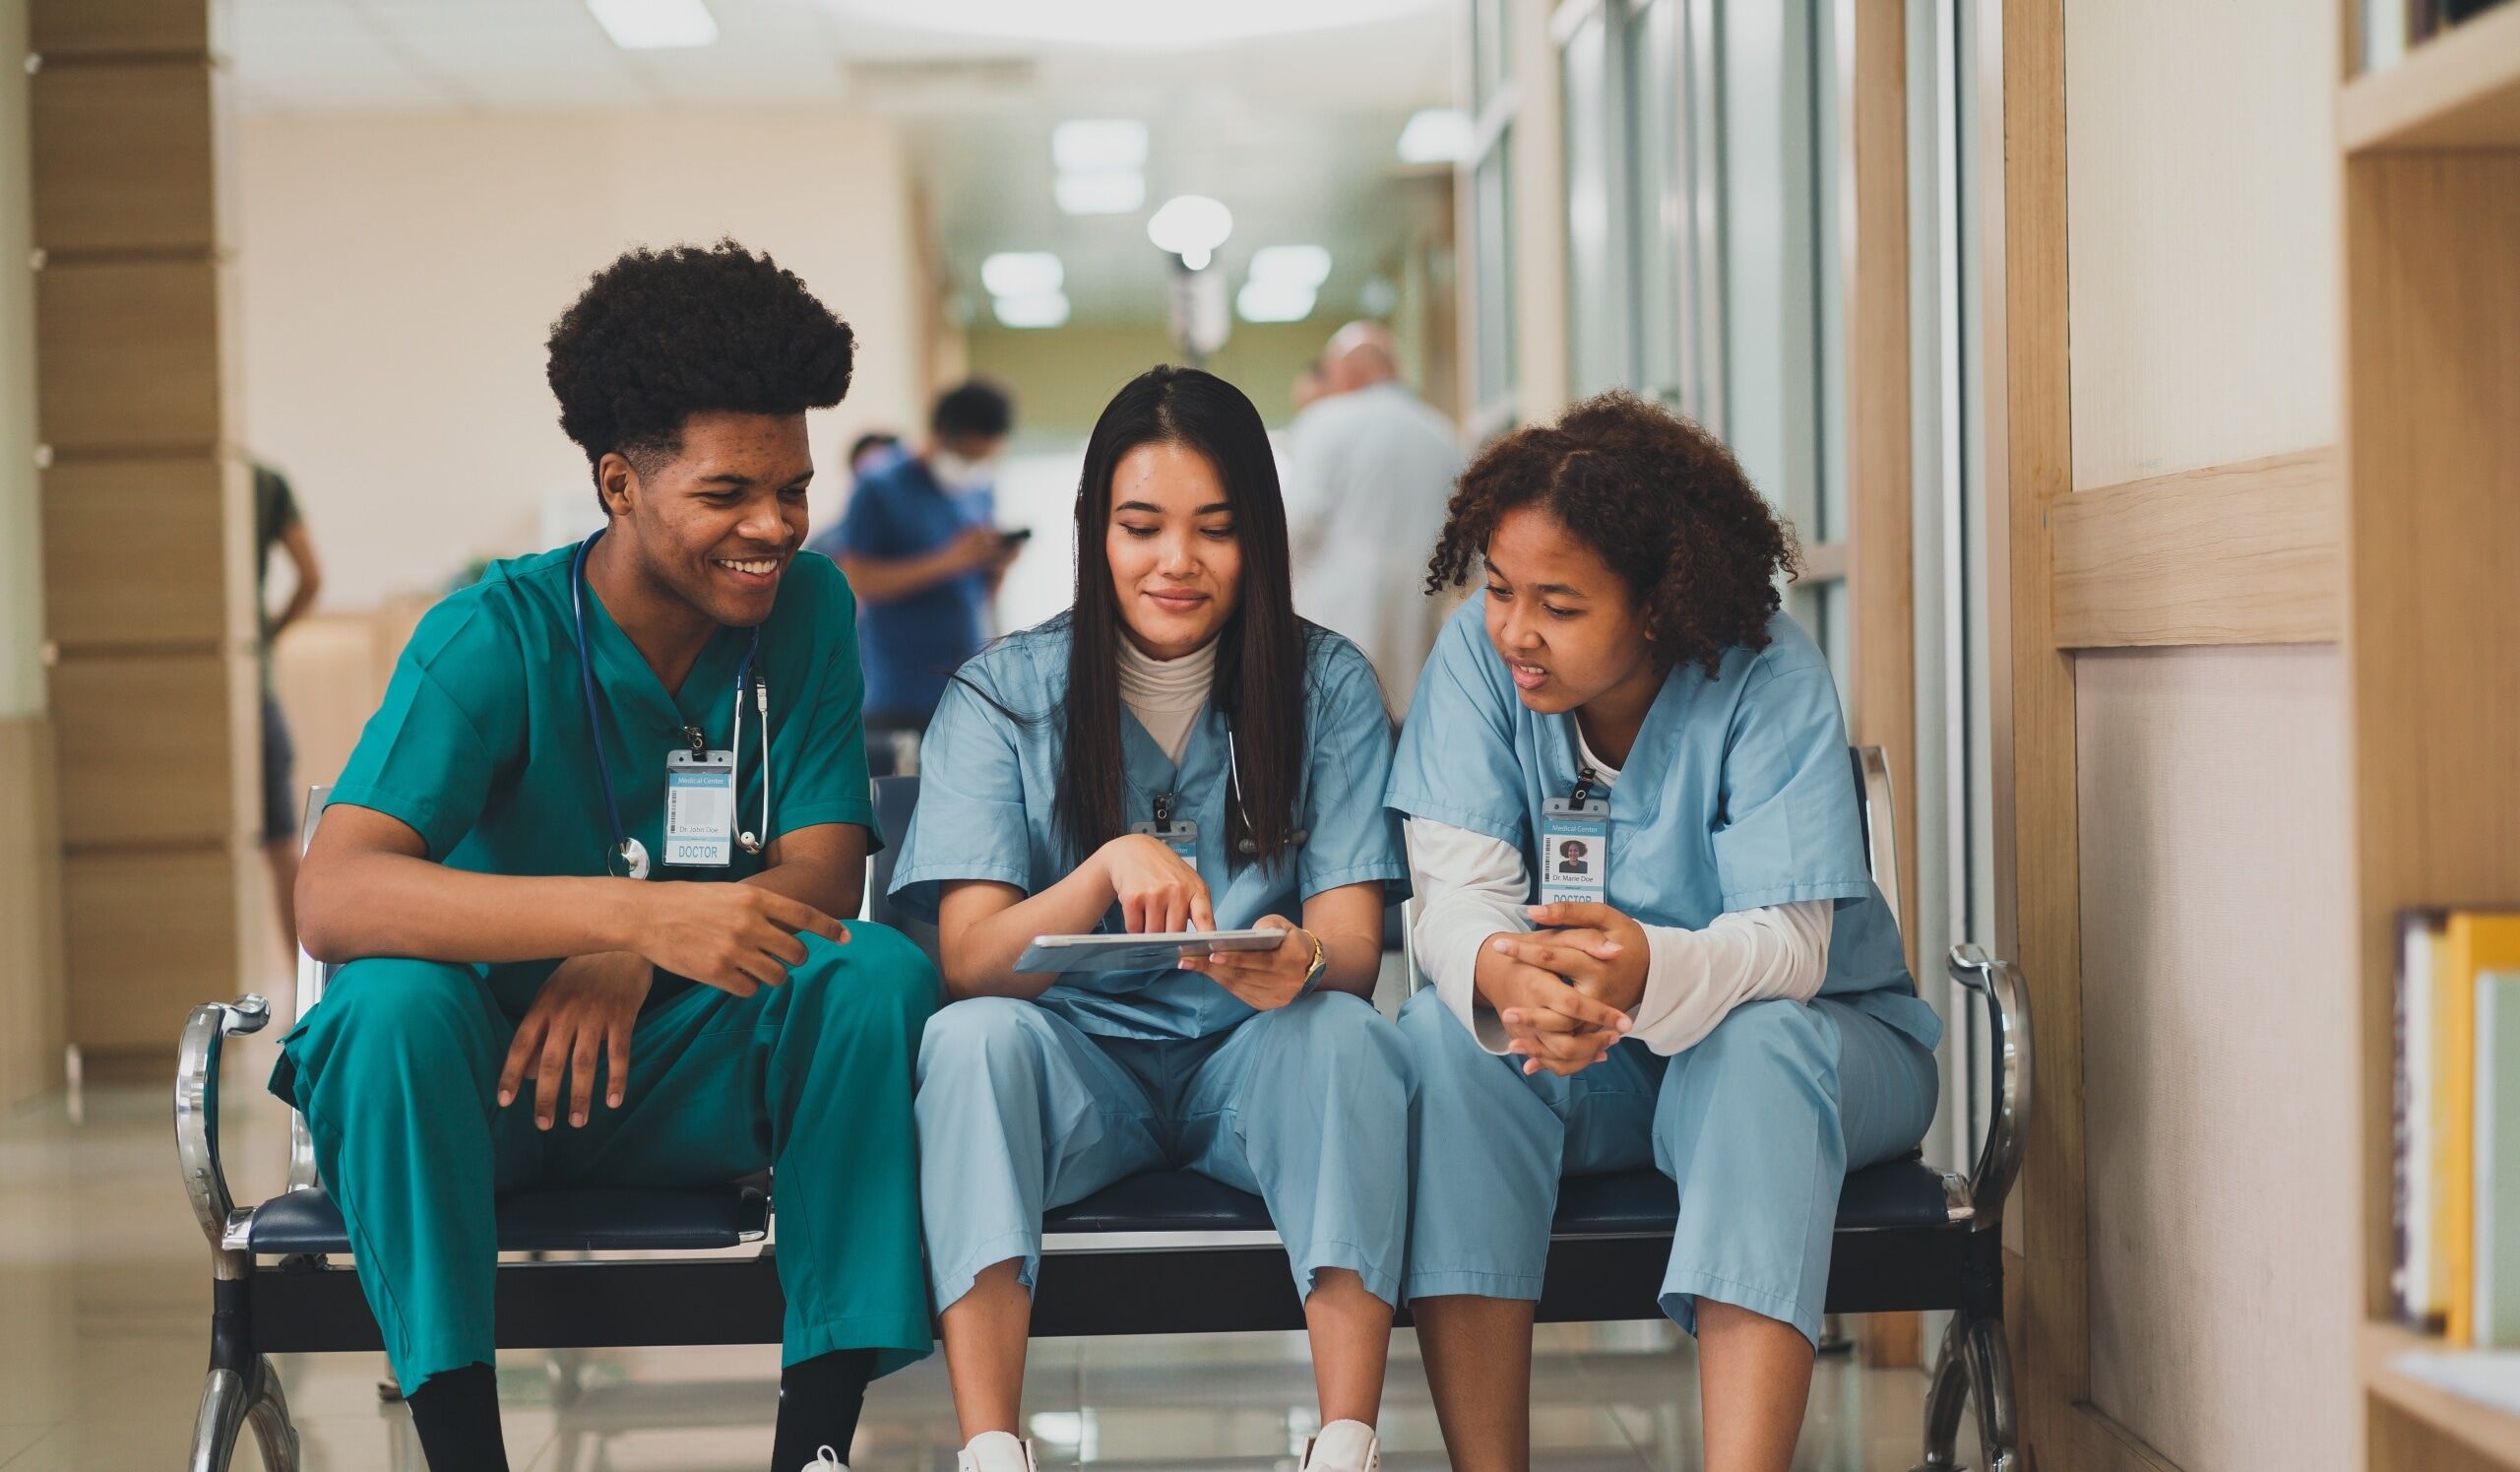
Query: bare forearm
{"type": "Point", "coordinates": [980, 959]}
{"type": "Point", "coordinates": [838, 890]}
{"type": "Point", "coordinates": [354, 905]}
{"type": "Point", "coordinates": [1348, 921]}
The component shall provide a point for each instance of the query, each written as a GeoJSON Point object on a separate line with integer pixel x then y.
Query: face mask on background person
{"type": "Point", "coordinates": [956, 474]}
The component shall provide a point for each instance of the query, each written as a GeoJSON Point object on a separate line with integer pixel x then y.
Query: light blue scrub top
{"type": "Point", "coordinates": [989, 784]}
{"type": "Point", "coordinates": [1737, 795]}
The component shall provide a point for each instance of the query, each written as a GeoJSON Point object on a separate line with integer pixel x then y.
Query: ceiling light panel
{"type": "Point", "coordinates": [1307, 266]}
{"type": "Point", "coordinates": [1023, 273]}
{"type": "Point", "coordinates": [1120, 191]}
{"type": "Point", "coordinates": [1092, 145]}
{"type": "Point", "coordinates": [1273, 302]}
{"type": "Point", "coordinates": [656, 25]}
{"type": "Point", "coordinates": [1190, 224]}
{"type": "Point", "coordinates": [1046, 309]}
{"type": "Point", "coordinates": [1436, 135]}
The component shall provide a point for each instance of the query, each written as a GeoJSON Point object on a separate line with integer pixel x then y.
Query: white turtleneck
{"type": "Point", "coordinates": [1165, 695]}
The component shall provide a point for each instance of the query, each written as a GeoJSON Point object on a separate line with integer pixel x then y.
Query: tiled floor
{"type": "Point", "coordinates": [104, 1293]}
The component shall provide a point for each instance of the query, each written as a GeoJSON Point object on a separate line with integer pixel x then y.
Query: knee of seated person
{"type": "Point", "coordinates": [878, 973]}
{"type": "Point", "coordinates": [1431, 1030]}
{"type": "Point", "coordinates": [1346, 1032]}
{"type": "Point", "coordinates": [410, 1008]}
{"type": "Point", "coordinates": [983, 1037]}
{"type": "Point", "coordinates": [1774, 1035]}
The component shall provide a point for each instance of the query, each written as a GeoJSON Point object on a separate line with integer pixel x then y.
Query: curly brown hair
{"type": "Point", "coordinates": [1660, 498]}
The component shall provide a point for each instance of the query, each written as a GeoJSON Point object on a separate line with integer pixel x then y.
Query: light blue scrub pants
{"type": "Point", "coordinates": [1757, 1124]}
{"type": "Point", "coordinates": [398, 1073]}
{"type": "Point", "coordinates": [1306, 1106]}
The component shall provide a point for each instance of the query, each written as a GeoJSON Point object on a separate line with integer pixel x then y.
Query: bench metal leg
{"type": "Point", "coordinates": [1990, 1387]}
{"type": "Point", "coordinates": [273, 1430]}
{"type": "Point", "coordinates": [1975, 1367]}
{"type": "Point", "coordinates": [1946, 1396]}
{"type": "Point", "coordinates": [221, 1415]}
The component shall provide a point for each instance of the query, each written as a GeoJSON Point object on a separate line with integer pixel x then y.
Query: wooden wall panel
{"type": "Point", "coordinates": [2242, 553]}
{"type": "Point", "coordinates": [150, 935]}
{"type": "Point", "coordinates": [160, 525]}
{"type": "Point", "coordinates": [119, 27]}
{"type": "Point", "coordinates": [150, 750]}
{"type": "Point", "coordinates": [30, 962]}
{"type": "Point", "coordinates": [122, 157]}
{"type": "Point", "coordinates": [127, 355]}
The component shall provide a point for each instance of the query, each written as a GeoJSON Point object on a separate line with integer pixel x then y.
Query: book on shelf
{"type": "Point", "coordinates": [2450, 1086]}
{"type": "Point", "coordinates": [2497, 1133]}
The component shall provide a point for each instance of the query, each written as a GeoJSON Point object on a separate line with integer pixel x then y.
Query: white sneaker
{"type": "Point", "coordinates": [1343, 1447]}
{"type": "Point", "coordinates": [826, 1460]}
{"type": "Point", "coordinates": [995, 1452]}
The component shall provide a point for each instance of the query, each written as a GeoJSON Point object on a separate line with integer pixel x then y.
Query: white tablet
{"type": "Point", "coordinates": [1153, 951]}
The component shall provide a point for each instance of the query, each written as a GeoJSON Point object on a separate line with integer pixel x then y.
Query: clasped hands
{"type": "Point", "coordinates": [1568, 991]}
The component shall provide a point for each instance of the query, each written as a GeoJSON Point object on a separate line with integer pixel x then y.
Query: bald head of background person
{"type": "Point", "coordinates": [1359, 356]}
{"type": "Point", "coordinates": [1369, 468]}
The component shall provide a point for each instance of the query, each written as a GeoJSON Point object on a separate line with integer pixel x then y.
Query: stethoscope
{"type": "Point", "coordinates": [628, 858]}
{"type": "Point", "coordinates": [1247, 847]}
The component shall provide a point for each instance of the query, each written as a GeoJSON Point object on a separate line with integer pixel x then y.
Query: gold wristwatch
{"type": "Point", "coordinates": [1320, 962]}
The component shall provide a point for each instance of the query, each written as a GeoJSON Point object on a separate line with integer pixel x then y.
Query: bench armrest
{"type": "Point", "coordinates": [2008, 1077]}
{"type": "Point", "coordinates": [197, 1120]}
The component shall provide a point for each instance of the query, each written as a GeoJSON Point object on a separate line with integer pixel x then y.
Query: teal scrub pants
{"type": "Point", "coordinates": [1757, 1126]}
{"type": "Point", "coordinates": [398, 1074]}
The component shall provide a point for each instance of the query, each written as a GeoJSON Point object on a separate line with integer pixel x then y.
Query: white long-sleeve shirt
{"type": "Point", "coordinates": [1471, 886]}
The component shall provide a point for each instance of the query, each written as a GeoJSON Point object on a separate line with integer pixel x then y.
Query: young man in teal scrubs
{"type": "Point", "coordinates": [567, 965]}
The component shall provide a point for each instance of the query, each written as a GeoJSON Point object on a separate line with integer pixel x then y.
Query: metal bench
{"type": "Point", "coordinates": [1159, 1253]}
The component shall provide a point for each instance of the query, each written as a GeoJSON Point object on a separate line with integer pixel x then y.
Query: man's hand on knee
{"type": "Point", "coordinates": [584, 1009]}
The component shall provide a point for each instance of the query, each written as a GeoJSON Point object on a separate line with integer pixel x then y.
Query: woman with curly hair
{"type": "Point", "coordinates": [1719, 991]}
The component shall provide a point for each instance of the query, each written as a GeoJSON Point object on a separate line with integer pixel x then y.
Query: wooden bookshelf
{"type": "Point", "coordinates": [2431, 157]}
{"type": "Point", "coordinates": [2459, 90]}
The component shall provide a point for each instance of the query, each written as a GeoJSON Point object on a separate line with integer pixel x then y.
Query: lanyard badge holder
{"type": "Point", "coordinates": [1575, 846]}
{"type": "Point", "coordinates": [1178, 834]}
{"type": "Point", "coordinates": [700, 805]}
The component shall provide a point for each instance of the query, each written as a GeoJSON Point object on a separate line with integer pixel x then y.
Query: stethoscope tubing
{"type": "Point", "coordinates": [632, 853]}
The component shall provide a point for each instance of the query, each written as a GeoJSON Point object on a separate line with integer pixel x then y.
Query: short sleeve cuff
{"type": "Point", "coordinates": [1386, 874]}
{"type": "Point", "coordinates": [841, 811]}
{"type": "Point", "coordinates": [421, 813]}
{"type": "Point", "coordinates": [918, 890]}
{"type": "Point", "coordinates": [1505, 825]}
{"type": "Point", "coordinates": [1787, 894]}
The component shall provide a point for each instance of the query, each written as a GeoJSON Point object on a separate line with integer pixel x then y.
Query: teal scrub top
{"type": "Point", "coordinates": [988, 781]}
{"type": "Point", "coordinates": [482, 745]}
{"type": "Point", "coordinates": [1737, 796]}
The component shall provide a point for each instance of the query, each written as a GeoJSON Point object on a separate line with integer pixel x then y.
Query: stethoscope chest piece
{"type": "Point", "coordinates": [628, 860]}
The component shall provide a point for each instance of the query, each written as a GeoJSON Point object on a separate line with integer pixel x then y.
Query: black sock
{"type": "Point", "coordinates": [457, 1413]}
{"type": "Point", "coordinates": [818, 1404]}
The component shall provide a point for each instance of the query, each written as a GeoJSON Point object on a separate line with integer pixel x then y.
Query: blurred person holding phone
{"type": "Point", "coordinates": [920, 548]}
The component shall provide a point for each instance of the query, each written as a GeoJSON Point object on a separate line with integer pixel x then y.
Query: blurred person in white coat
{"type": "Point", "coordinates": [1370, 471]}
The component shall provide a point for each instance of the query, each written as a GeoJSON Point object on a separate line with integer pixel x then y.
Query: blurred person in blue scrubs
{"type": "Point", "coordinates": [1369, 467]}
{"type": "Point", "coordinates": [1179, 750]}
{"type": "Point", "coordinates": [1626, 726]}
{"type": "Point", "coordinates": [569, 957]}
{"type": "Point", "coordinates": [871, 452]}
{"type": "Point", "coordinates": [919, 543]}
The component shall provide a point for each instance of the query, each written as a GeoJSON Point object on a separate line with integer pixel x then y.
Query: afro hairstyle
{"type": "Point", "coordinates": [662, 335]}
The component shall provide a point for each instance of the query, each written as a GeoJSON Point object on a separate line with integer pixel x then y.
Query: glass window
{"type": "Point", "coordinates": [1493, 214]}
{"type": "Point", "coordinates": [1598, 322]}
{"type": "Point", "coordinates": [1491, 51]}
{"type": "Point", "coordinates": [1658, 218]}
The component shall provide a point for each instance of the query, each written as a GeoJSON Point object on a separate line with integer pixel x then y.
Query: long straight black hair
{"type": "Point", "coordinates": [1259, 683]}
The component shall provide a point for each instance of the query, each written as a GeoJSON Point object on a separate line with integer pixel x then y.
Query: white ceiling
{"type": "Point", "coordinates": [1292, 128]}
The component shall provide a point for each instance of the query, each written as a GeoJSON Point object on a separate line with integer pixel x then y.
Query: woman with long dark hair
{"type": "Point", "coordinates": [1176, 751]}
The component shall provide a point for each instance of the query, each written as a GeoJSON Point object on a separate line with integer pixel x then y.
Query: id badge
{"type": "Point", "coordinates": [699, 809]}
{"type": "Point", "coordinates": [1574, 851]}
{"type": "Point", "coordinates": [1181, 835]}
